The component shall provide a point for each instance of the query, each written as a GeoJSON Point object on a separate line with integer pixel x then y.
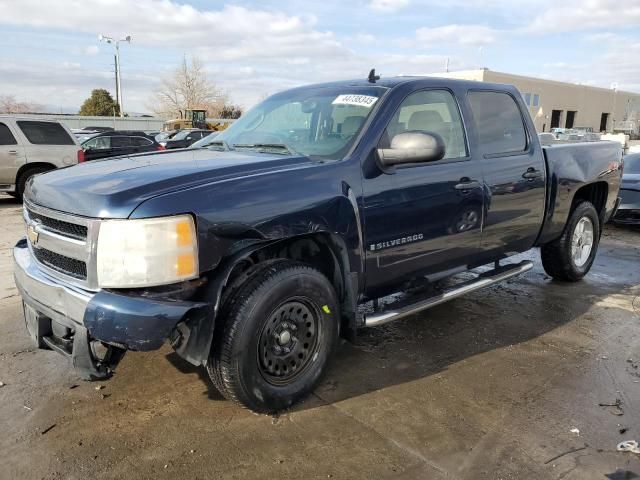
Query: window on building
{"type": "Point", "coordinates": [498, 122]}
{"type": "Point", "coordinates": [536, 99]}
{"type": "Point", "coordinates": [527, 98]}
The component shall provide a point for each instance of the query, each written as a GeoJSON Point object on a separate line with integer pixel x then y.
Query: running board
{"type": "Point", "coordinates": [483, 280]}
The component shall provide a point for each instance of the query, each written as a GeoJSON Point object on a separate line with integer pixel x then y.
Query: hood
{"type": "Point", "coordinates": [113, 188]}
{"type": "Point", "coordinates": [631, 181]}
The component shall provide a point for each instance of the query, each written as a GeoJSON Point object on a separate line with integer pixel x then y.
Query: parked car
{"type": "Point", "coordinates": [253, 256]}
{"type": "Point", "coordinates": [184, 138]}
{"type": "Point", "coordinates": [205, 141]}
{"type": "Point", "coordinates": [629, 209]}
{"type": "Point", "coordinates": [115, 144]}
{"type": "Point", "coordinates": [29, 147]}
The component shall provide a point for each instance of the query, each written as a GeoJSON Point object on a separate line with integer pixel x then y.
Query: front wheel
{"type": "Point", "coordinates": [571, 256]}
{"type": "Point", "coordinates": [280, 331]}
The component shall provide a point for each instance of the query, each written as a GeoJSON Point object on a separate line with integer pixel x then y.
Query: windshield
{"type": "Point", "coordinates": [632, 163]}
{"type": "Point", "coordinates": [315, 122]}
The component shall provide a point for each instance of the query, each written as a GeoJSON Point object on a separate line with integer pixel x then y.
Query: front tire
{"type": "Point", "coordinates": [570, 257]}
{"type": "Point", "coordinates": [281, 330]}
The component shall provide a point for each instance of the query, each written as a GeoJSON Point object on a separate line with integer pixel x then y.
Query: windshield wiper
{"type": "Point", "coordinates": [220, 143]}
{"type": "Point", "coordinates": [278, 147]}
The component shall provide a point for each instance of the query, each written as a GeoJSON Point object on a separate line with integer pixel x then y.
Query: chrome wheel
{"type": "Point", "coordinates": [582, 241]}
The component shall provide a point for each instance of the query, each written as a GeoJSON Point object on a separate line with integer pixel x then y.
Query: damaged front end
{"type": "Point", "coordinates": [94, 329]}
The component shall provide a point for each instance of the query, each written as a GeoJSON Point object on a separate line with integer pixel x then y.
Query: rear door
{"type": "Point", "coordinates": [122, 145]}
{"type": "Point", "coordinates": [142, 144]}
{"type": "Point", "coordinates": [12, 156]}
{"type": "Point", "coordinates": [513, 171]}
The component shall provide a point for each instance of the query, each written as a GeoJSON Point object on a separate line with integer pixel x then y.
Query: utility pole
{"type": "Point", "coordinates": [104, 38]}
{"type": "Point", "coordinates": [115, 70]}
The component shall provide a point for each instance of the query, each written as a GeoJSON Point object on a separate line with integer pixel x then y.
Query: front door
{"type": "Point", "coordinates": [425, 218]}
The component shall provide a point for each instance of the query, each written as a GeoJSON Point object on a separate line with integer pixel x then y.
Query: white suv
{"type": "Point", "coordinates": [29, 146]}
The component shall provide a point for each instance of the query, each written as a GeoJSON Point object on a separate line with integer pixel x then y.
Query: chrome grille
{"type": "Point", "coordinates": [64, 228]}
{"type": "Point", "coordinates": [62, 264]}
{"type": "Point", "coordinates": [63, 244]}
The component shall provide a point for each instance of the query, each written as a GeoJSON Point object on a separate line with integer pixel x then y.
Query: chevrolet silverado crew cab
{"type": "Point", "coordinates": [253, 256]}
{"type": "Point", "coordinates": [29, 146]}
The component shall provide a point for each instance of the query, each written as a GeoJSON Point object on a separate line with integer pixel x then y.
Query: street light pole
{"type": "Point", "coordinates": [104, 38]}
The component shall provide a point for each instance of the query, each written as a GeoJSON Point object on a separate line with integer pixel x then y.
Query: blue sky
{"type": "Point", "coordinates": [51, 55]}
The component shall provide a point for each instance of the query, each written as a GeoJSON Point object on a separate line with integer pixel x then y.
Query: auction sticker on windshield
{"type": "Point", "coordinates": [359, 100]}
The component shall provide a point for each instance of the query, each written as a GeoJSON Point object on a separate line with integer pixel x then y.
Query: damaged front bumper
{"type": "Point", "coordinates": [67, 318]}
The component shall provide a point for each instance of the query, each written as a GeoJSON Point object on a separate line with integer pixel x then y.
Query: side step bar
{"type": "Point", "coordinates": [483, 280]}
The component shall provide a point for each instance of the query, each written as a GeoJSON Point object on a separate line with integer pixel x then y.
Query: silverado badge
{"type": "Point", "coordinates": [32, 234]}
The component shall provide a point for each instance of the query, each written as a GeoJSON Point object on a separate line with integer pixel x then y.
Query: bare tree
{"type": "Point", "coordinates": [9, 104]}
{"type": "Point", "coordinates": [188, 87]}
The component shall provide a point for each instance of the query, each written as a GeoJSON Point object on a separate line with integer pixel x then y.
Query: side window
{"type": "Point", "coordinates": [6, 137]}
{"type": "Point", "coordinates": [432, 111]}
{"type": "Point", "coordinates": [498, 122]}
{"type": "Point", "coordinates": [141, 141]}
{"type": "Point", "coordinates": [121, 142]}
{"type": "Point", "coordinates": [98, 143]}
{"type": "Point", "coordinates": [45, 133]}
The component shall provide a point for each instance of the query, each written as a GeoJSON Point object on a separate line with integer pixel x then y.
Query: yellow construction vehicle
{"type": "Point", "coordinates": [193, 118]}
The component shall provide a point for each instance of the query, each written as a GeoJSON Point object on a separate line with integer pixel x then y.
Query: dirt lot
{"type": "Point", "coordinates": [485, 387]}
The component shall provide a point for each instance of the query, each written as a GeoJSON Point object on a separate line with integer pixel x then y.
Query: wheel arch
{"type": "Point", "coordinates": [324, 251]}
{"type": "Point", "coordinates": [31, 165]}
{"type": "Point", "coordinates": [596, 193]}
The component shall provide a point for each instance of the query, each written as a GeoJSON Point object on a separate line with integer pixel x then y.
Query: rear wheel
{"type": "Point", "coordinates": [571, 256]}
{"type": "Point", "coordinates": [280, 331]}
{"type": "Point", "coordinates": [24, 178]}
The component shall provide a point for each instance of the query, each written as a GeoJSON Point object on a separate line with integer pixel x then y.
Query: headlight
{"type": "Point", "coordinates": [147, 252]}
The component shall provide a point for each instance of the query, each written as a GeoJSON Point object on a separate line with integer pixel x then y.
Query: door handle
{"type": "Point", "coordinates": [532, 173]}
{"type": "Point", "coordinates": [13, 152]}
{"type": "Point", "coordinates": [466, 184]}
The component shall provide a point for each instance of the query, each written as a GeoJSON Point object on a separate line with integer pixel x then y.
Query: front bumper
{"type": "Point", "coordinates": [629, 208]}
{"type": "Point", "coordinates": [125, 321]}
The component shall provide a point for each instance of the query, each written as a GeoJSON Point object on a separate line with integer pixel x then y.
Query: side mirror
{"type": "Point", "coordinates": [412, 147]}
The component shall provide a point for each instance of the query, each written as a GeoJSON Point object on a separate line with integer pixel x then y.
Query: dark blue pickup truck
{"type": "Point", "coordinates": [254, 255]}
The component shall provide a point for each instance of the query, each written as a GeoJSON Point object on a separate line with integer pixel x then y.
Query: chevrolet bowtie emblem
{"type": "Point", "coordinates": [32, 234]}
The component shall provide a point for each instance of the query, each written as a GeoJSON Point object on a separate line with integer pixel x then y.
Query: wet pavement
{"type": "Point", "coordinates": [502, 384]}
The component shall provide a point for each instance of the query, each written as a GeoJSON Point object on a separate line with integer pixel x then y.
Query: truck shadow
{"type": "Point", "coordinates": [511, 313]}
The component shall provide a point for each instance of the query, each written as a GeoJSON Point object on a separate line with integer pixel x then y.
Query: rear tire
{"type": "Point", "coordinates": [280, 331]}
{"type": "Point", "coordinates": [570, 257]}
{"type": "Point", "coordinates": [24, 178]}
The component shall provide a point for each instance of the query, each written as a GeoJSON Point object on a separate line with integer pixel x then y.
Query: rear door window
{"type": "Point", "coordinates": [6, 137]}
{"type": "Point", "coordinates": [498, 122]}
{"type": "Point", "coordinates": [45, 133]}
{"type": "Point", "coordinates": [141, 141]}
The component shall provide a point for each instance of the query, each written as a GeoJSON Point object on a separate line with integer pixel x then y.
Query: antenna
{"type": "Point", "coordinates": [372, 76]}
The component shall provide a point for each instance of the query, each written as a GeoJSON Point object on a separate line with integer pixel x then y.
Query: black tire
{"type": "Point", "coordinates": [24, 178]}
{"type": "Point", "coordinates": [276, 296]}
{"type": "Point", "coordinates": [557, 258]}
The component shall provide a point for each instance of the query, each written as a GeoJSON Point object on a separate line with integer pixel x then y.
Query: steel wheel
{"type": "Point", "coordinates": [582, 241]}
{"type": "Point", "coordinates": [289, 341]}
